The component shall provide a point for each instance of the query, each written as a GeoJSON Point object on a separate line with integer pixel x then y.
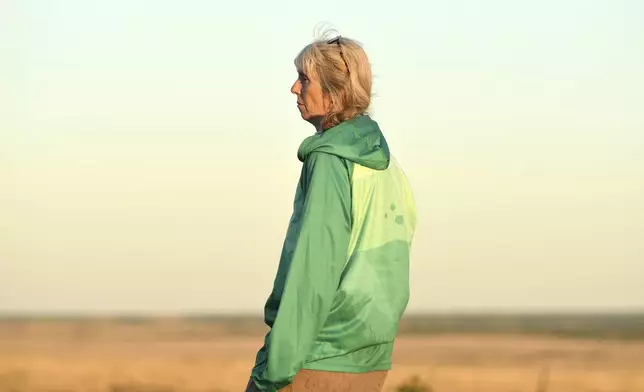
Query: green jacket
{"type": "Point", "coordinates": [343, 278]}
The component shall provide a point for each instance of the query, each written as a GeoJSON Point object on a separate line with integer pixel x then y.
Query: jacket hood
{"type": "Point", "coordinates": [358, 140]}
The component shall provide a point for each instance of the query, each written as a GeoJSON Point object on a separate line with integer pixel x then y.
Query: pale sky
{"type": "Point", "coordinates": [135, 137]}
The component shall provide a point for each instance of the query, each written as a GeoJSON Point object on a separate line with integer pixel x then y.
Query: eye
{"type": "Point", "coordinates": [302, 77]}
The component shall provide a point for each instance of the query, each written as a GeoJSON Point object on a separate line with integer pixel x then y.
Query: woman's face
{"type": "Point", "coordinates": [311, 101]}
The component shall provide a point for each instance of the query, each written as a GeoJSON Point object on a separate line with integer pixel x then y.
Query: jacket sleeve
{"type": "Point", "coordinates": [318, 260]}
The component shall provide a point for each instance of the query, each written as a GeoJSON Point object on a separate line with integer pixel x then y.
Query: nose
{"type": "Point", "coordinates": [296, 87]}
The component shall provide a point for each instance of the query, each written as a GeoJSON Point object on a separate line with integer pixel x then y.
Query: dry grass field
{"type": "Point", "coordinates": [178, 355]}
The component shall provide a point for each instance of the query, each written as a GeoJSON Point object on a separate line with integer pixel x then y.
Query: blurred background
{"type": "Point", "coordinates": [148, 166]}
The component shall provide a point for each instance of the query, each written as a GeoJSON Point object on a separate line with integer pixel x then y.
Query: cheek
{"type": "Point", "coordinates": [316, 98]}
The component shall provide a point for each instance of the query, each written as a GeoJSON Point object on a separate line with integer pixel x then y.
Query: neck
{"type": "Point", "coordinates": [317, 123]}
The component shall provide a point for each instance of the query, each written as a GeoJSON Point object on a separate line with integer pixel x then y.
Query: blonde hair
{"type": "Point", "coordinates": [343, 69]}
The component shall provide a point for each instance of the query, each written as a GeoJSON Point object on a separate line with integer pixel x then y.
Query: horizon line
{"type": "Point", "coordinates": [490, 312]}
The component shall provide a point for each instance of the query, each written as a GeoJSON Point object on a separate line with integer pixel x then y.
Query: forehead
{"type": "Point", "coordinates": [303, 73]}
{"type": "Point", "coordinates": [305, 61]}
{"type": "Point", "coordinates": [301, 69]}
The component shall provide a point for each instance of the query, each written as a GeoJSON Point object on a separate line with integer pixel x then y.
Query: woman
{"type": "Point", "coordinates": [343, 278]}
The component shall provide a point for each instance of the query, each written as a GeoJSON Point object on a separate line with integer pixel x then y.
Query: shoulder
{"type": "Point", "coordinates": [321, 164]}
{"type": "Point", "coordinates": [319, 159]}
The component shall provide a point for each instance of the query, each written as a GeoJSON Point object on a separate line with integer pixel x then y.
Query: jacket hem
{"type": "Point", "coordinates": [325, 367]}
